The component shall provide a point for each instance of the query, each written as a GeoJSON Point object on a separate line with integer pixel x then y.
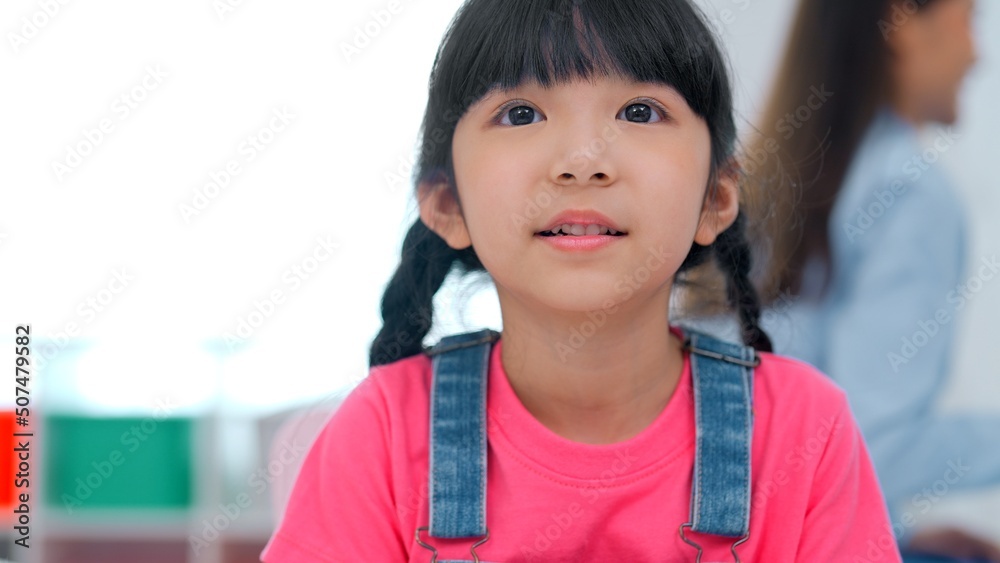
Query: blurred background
{"type": "Point", "coordinates": [200, 205]}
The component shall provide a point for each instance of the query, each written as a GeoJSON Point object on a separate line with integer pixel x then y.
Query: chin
{"type": "Point", "coordinates": [948, 118]}
{"type": "Point", "coordinates": [946, 113]}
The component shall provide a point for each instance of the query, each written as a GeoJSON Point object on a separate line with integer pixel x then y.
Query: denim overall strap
{"type": "Point", "coordinates": [722, 376]}
{"type": "Point", "coordinates": [458, 434]}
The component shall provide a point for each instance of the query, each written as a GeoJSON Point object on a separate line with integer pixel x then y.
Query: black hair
{"type": "Point", "coordinates": [841, 45]}
{"type": "Point", "coordinates": [503, 43]}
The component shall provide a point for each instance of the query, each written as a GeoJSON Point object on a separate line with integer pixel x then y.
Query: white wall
{"type": "Point", "coordinates": [323, 176]}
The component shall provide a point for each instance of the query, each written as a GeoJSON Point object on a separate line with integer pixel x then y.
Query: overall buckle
{"type": "Point", "coordinates": [434, 553]}
{"type": "Point", "coordinates": [732, 548]}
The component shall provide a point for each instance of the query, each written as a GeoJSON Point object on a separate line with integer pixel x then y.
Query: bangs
{"type": "Point", "coordinates": [501, 44]}
{"type": "Point", "coordinates": [510, 42]}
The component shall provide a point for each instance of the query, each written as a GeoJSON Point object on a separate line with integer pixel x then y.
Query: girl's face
{"type": "Point", "coordinates": [633, 152]}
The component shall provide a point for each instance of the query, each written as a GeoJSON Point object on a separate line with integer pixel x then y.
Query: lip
{"type": "Point", "coordinates": [585, 242]}
{"type": "Point", "coordinates": [580, 217]}
{"type": "Point", "coordinates": [581, 243]}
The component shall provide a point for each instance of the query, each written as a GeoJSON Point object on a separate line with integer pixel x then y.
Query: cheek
{"type": "Point", "coordinates": [953, 70]}
{"type": "Point", "coordinates": [954, 45]}
{"type": "Point", "coordinates": [677, 176]}
{"type": "Point", "coordinates": [671, 209]}
{"type": "Point", "coordinates": [686, 205]}
{"type": "Point", "coordinates": [491, 183]}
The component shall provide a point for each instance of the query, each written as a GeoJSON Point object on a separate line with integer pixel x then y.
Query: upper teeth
{"type": "Point", "coordinates": [580, 230]}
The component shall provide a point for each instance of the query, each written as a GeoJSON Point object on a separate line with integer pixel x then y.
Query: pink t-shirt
{"type": "Point", "coordinates": [362, 489]}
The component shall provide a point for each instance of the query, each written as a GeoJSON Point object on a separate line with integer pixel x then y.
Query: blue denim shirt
{"type": "Point", "coordinates": [885, 329]}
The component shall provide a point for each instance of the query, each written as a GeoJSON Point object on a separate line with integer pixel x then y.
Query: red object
{"type": "Point", "coordinates": [362, 490]}
{"type": "Point", "coordinates": [9, 462]}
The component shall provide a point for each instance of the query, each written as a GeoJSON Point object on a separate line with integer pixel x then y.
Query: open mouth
{"type": "Point", "coordinates": [560, 232]}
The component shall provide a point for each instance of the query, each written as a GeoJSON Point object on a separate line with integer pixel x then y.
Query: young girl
{"type": "Point", "coordinates": [582, 153]}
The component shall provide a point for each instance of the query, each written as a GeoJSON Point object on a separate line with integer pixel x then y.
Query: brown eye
{"type": "Point", "coordinates": [640, 113]}
{"type": "Point", "coordinates": [520, 115]}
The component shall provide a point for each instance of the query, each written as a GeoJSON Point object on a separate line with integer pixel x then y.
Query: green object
{"type": "Point", "coordinates": [117, 462]}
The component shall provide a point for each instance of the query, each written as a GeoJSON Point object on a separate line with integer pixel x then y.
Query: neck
{"type": "Point", "coordinates": [598, 389]}
{"type": "Point", "coordinates": [907, 110]}
{"type": "Point", "coordinates": [903, 99]}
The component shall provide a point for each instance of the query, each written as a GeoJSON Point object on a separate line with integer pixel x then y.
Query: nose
{"type": "Point", "coordinates": [596, 178]}
{"type": "Point", "coordinates": [585, 156]}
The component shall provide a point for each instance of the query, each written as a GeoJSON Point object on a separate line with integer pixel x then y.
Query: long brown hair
{"type": "Point", "coordinates": [832, 79]}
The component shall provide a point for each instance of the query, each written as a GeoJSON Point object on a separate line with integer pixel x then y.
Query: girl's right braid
{"type": "Point", "coordinates": [733, 254]}
{"type": "Point", "coordinates": [408, 301]}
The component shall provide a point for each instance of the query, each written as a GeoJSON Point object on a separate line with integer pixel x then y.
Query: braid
{"type": "Point", "coordinates": [407, 304]}
{"type": "Point", "coordinates": [732, 252]}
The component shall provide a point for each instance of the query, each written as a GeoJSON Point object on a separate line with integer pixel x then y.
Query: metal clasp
{"type": "Point", "coordinates": [732, 548]}
{"type": "Point", "coordinates": [439, 348]}
{"type": "Point", "coordinates": [434, 553]}
{"type": "Point", "coordinates": [688, 345]}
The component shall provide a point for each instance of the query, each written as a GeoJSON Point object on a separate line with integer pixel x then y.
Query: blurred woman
{"type": "Point", "coordinates": [867, 238]}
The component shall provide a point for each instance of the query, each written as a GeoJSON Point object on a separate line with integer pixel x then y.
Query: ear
{"type": "Point", "coordinates": [721, 206]}
{"type": "Point", "coordinates": [440, 213]}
